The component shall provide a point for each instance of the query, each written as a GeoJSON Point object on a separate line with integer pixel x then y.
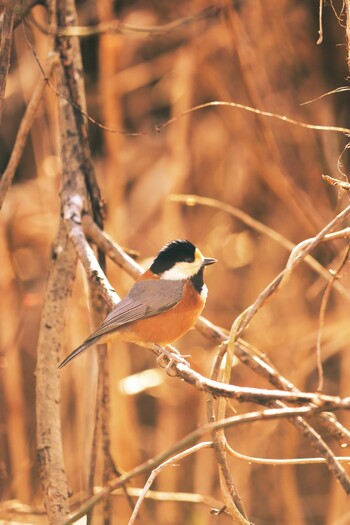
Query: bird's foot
{"type": "Point", "coordinates": [169, 357]}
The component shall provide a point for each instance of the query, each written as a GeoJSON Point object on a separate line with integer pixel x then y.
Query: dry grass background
{"type": "Point", "coordinates": [262, 54]}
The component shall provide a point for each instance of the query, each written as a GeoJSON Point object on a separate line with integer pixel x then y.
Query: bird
{"type": "Point", "coordinates": [162, 305]}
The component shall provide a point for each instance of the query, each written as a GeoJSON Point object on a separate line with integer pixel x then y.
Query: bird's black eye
{"type": "Point", "coordinates": [174, 252]}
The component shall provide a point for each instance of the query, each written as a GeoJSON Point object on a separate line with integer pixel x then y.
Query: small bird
{"type": "Point", "coordinates": [163, 304]}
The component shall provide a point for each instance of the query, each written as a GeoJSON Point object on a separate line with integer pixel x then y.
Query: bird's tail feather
{"type": "Point", "coordinates": [86, 344]}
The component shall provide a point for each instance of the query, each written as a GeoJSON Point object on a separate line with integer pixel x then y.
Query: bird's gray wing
{"type": "Point", "coordinates": [145, 299]}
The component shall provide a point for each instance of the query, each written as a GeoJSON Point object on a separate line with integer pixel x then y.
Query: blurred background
{"type": "Point", "coordinates": [259, 53]}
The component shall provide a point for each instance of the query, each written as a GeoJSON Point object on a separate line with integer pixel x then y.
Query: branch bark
{"type": "Point", "coordinates": [52, 328]}
{"type": "Point", "coordinates": [23, 131]}
{"type": "Point", "coordinates": [216, 334]}
{"type": "Point", "coordinates": [5, 49]}
{"type": "Point", "coordinates": [61, 279]}
{"type": "Point", "coordinates": [187, 441]}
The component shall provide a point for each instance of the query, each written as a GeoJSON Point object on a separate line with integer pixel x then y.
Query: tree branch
{"type": "Point", "coordinates": [5, 49]}
{"type": "Point", "coordinates": [24, 129]}
{"type": "Point", "coordinates": [52, 328]}
{"type": "Point", "coordinates": [185, 442]}
{"type": "Point", "coordinates": [216, 334]}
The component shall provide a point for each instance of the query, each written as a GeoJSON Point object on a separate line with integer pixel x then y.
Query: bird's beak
{"type": "Point", "coordinates": [208, 260]}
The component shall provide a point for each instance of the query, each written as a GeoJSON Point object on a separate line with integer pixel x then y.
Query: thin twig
{"type": "Point", "coordinates": [179, 497]}
{"type": "Point", "coordinates": [74, 94]}
{"type": "Point", "coordinates": [169, 462]}
{"type": "Point", "coordinates": [340, 89]}
{"type": "Point", "coordinates": [216, 334]}
{"type": "Point", "coordinates": [182, 369]}
{"type": "Point", "coordinates": [256, 111]}
{"type": "Point", "coordinates": [320, 23]}
{"type": "Point", "coordinates": [263, 396]}
{"type": "Point", "coordinates": [327, 456]}
{"type": "Point", "coordinates": [73, 210]}
{"type": "Point", "coordinates": [192, 200]}
{"type": "Point", "coordinates": [116, 26]}
{"type": "Point", "coordinates": [187, 441]}
{"type": "Point", "coordinates": [22, 11]}
{"type": "Point", "coordinates": [93, 450]}
{"type": "Point", "coordinates": [248, 356]}
{"type": "Point", "coordinates": [321, 318]}
{"type": "Point", "coordinates": [232, 497]}
{"type": "Point", "coordinates": [110, 247]}
{"type": "Point", "coordinates": [315, 440]}
{"type": "Point", "coordinates": [157, 128]}
{"type": "Point", "coordinates": [279, 461]}
{"type": "Point", "coordinates": [336, 182]}
{"type": "Point", "coordinates": [298, 254]}
{"type": "Point", "coordinates": [5, 50]}
{"type": "Point", "coordinates": [347, 17]}
{"type": "Point", "coordinates": [24, 129]}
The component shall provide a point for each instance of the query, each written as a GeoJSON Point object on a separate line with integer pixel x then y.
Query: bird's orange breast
{"type": "Point", "coordinates": [168, 326]}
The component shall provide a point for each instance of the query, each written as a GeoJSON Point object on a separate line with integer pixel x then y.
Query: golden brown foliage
{"type": "Point", "coordinates": [262, 54]}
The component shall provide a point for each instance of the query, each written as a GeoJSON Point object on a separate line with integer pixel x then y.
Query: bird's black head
{"type": "Point", "coordinates": [172, 253]}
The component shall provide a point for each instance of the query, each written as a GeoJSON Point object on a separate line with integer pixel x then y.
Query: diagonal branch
{"type": "Point", "coordinates": [257, 395]}
{"type": "Point", "coordinates": [169, 462]}
{"type": "Point", "coordinates": [24, 130]}
{"type": "Point", "coordinates": [242, 350]}
{"type": "Point", "coordinates": [192, 200]}
{"type": "Point", "coordinates": [190, 439]}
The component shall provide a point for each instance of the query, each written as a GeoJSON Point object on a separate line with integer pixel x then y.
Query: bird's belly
{"type": "Point", "coordinates": [166, 327]}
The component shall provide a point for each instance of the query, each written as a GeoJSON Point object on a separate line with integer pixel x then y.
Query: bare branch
{"type": "Point", "coordinates": [5, 49]}
{"type": "Point", "coordinates": [110, 247]}
{"type": "Point", "coordinates": [217, 334]}
{"type": "Point", "coordinates": [324, 450]}
{"type": "Point", "coordinates": [322, 315]}
{"type": "Point", "coordinates": [336, 182]}
{"type": "Point", "coordinates": [256, 111]}
{"type": "Point", "coordinates": [192, 377]}
{"type": "Point", "coordinates": [232, 497]}
{"type": "Point", "coordinates": [298, 254]}
{"type": "Point", "coordinates": [52, 328]}
{"type": "Point", "coordinates": [347, 8]}
{"type": "Point", "coordinates": [320, 23]}
{"type": "Point", "coordinates": [116, 26]}
{"type": "Point", "coordinates": [24, 130]}
{"type": "Point", "coordinates": [187, 441]}
{"type": "Point", "coordinates": [257, 395]}
{"type": "Point", "coordinates": [162, 466]}
{"type": "Point", "coordinates": [73, 198]}
{"type": "Point", "coordinates": [284, 461]}
{"type": "Point", "coordinates": [72, 214]}
{"type": "Point", "coordinates": [192, 200]}
{"type": "Point", "coordinates": [179, 497]}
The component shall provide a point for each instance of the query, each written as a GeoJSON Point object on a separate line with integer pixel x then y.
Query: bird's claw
{"type": "Point", "coordinates": [167, 363]}
{"type": "Point", "coordinates": [167, 359]}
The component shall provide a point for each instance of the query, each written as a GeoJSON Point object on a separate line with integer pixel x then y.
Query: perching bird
{"type": "Point", "coordinates": [163, 304]}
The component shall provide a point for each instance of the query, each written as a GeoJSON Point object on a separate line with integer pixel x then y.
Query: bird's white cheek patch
{"type": "Point", "coordinates": [174, 274]}
{"type": "Point", "coordinates": [181, 271]}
